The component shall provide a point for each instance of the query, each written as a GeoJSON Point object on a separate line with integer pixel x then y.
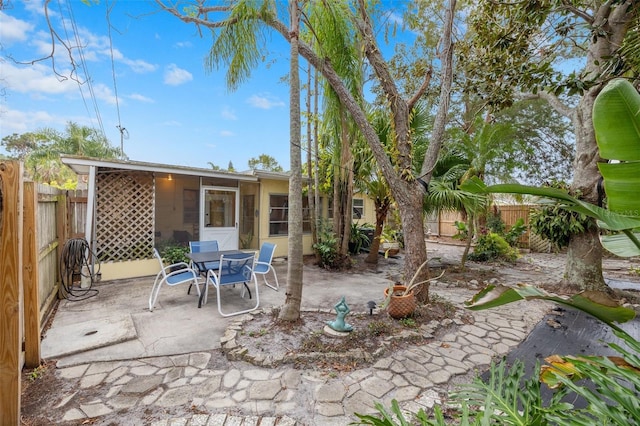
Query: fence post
{"type": "Point", "coordinates": [10, 289]}
{"type": "Point", "coordinates": [30, 278]}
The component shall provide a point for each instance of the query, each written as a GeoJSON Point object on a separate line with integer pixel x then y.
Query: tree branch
{"type": "Point", "coordinates": [423, 88]}
{"type": "Point", "coordinates": [579, 13]}
{"type": "Point", "coordinates": [437, 136]}
{"type": "Point", "coordinates": [552, 99]}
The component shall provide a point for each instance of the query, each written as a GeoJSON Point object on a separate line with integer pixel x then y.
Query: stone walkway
{"type": "Point", "coordinates": [204, 388]}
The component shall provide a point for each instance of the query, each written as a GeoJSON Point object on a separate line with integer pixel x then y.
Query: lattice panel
{"type": "Point", "coordinates": [125, 214]}
{"type": "Point", "coordinates": [538, 244]}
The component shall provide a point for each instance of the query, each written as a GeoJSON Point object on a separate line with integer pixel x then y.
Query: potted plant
{"type": "Point", "coordinates": [399, 300]}
{"type": "Point", "coordinates": [174, 253]}
{"type": "Point", "coordinates": [389, 243]}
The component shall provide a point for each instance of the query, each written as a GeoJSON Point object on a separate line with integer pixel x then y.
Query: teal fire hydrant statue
{"type": "Point", "coordinates": [338, 324]}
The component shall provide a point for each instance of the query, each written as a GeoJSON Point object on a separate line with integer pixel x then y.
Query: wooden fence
{"type": "Point", "coordinates": [35, 222]}
{"type": "Point", "coordinates": [444, 224]}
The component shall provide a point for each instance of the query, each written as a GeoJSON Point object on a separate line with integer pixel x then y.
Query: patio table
{"type": "Point", "coordinates": [200, 258]}
{"type": "Point", "coordinates": [203, 257]}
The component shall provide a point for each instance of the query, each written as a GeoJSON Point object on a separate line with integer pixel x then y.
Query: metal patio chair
{"type": "Point", "coordinates": [234, 269]}
{"type": "Point", "coordinates": [177, 273]}
{"type": "Point", "coordinates": [202, 246]}
{"type": "Point", "coordinates": [263, 265]}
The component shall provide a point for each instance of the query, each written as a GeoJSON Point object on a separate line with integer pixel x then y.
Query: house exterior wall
{"type": "Point", "coordinates": [270, 187]}
{"type": "Point", "coordinates": [276, 187]}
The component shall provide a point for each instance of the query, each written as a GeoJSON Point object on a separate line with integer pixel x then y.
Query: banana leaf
{"type": "Point", "coordinates": [616, 120]}
{"type": "Point", "coordinates": [597, 304]}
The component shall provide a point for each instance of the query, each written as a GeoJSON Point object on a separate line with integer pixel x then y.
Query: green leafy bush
{"type": "Point", "coordinates": [555, 223]}
{"type": "Point", "coordinates": [495, 223]}
{"type": "Point", "coordinates": [515, 232]}
{"type": "Point", "coordinates": [358, 238]}
{"type": "Point", "coordinates": [492, 246]}
{"type": "Point", "coordinates": [462, 231]}
{"type": "Point", "coordinates": [327, 246]}
{"type": "Point", "coordinates": [174, 253]}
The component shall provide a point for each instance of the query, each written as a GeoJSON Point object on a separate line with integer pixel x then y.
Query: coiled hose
{"type": "Point", "coordinates": [74, 265]}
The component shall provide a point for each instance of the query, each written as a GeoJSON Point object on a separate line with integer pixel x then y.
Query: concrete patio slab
{"type": "Point", "coordinates": [81, 336]}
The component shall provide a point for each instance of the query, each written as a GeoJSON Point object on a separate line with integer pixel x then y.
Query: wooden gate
{"type": "Point", "coordinates": [35, 222]}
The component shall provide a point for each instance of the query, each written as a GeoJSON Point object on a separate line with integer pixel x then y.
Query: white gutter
{"type": "Point", "coordinates": [91, 203]}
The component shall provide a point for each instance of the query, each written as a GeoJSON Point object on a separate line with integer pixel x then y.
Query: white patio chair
{"type": "Point", "coordinates": [263, 265]}
{"type": "Point", "coordinates": [234, 269]}
{"type": "Point", "coordinates": [177, 273]}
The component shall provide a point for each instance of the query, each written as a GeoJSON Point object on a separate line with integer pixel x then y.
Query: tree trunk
{"type": "Point", "coordinates": [584, 257]}
{"type": "Point", "coordinates": [374, 248]}
{"type": "Point", "coordinates": [408, 197]}
{"type": "Point", "coordinates": [467, 246]}
{"type": "Point", "coordinates": [293, 297]}
{"type": "Point", "coordinates": [583, 269]}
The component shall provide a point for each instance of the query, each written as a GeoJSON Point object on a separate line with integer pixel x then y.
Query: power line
{"type": "Point", "coordinates": [83, 64]}
{"type": "Point", "coordinates": [124, 134]}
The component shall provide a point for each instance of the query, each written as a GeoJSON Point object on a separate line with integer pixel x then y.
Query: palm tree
{"type": "Point", "coordinates": [291, 309]}
{"type": "Point", "coordinates": [236, 35]}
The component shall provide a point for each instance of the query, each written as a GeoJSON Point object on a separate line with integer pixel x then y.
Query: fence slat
{"type": "Point", "coordinates": [10, 279]}
{"type": "Point", "coordinates": [31, 287]}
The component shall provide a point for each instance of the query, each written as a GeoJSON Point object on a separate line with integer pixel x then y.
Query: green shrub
{"type": "Point", "coordinates": [175, 253]}
{"type": "Point", "coordinates": [327, 246]}
{"type": "Point", "coordinates": [556, 224]}
{"type": "Point", "coordinates": [462, 231]}
{"type": "Point", "coordinates": [492, 246]}
{"type": "Point", "coordinates": [495, 223]}
{"type": "Point", "coordinates": [515, 232]}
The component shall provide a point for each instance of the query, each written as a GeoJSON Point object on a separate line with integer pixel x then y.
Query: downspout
{"type": "Point", "coordinates": [89, 229]}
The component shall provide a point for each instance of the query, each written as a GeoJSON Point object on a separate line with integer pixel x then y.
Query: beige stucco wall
{"type": "Point", "coordinates": [281, 187]}
{"type": "Point", "coordinates": [131, 269]}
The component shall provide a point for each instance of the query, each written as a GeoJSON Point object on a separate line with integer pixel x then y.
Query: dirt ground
{"type": "Point", "coordinates": [304, 336]}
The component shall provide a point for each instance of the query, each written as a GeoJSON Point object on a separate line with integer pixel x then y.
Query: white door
{"type": "Point", "coordinates": [219, 216]}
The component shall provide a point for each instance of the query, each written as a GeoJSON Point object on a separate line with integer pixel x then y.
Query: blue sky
{"type": "Point", "coordinates": [173, 110]}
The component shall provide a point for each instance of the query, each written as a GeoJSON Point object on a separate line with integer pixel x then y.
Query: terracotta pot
{"type": "Point", "coordinates": [400, 306]}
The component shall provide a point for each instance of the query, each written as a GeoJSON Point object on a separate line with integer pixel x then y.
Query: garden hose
{"type": "Point", "coordinates": [74, 268]}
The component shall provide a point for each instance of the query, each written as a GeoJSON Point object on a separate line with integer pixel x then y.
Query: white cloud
{"type": "Point", "coordinates": [37, 7]}
{"type": "Point", "coordinates": [226, 133]}
{"type": "Point", "coordinates": [139, 66]}
{"type": "Point", "coordinates": [141, 98]}
{"type": "Point", "coordinates": [264, 102]}
{"type": "Point", "coordinates": [395, 18]}
{"type": "Point", "coordinates": [228, 114]}
{"type": "Point", "coordinates": [14, 121]}
{"type": "Point", "coordinates": [175, 76]}
{"type": "Point", "coordinates": [38, 78]}
{"type": "Point", "coordinates": [104, 93]}
{"type": "Point", "coordinates": [182, 44]}
{"type": "Point", "coordinates": [13, 30]}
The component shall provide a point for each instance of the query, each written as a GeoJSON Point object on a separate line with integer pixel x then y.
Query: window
{"type": "Point", "coordinates": [279, 215]}
{"type": "Point", "coordinates": [358, 208]}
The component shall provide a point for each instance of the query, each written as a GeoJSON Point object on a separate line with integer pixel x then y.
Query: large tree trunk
{"type": "Point", "coordinates": [408, 197]}
{"type": "Point", "coordinates": [291, 309]}
{"type": "Point", "coordinates": [583, 269]}
{"type": "Point", "coordinates": [584, 258]}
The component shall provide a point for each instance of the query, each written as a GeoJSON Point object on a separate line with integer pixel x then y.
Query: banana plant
{"type": "Point", "coordinates": [616, 120]}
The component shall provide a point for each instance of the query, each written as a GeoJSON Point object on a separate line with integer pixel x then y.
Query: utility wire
{"type": "Point", "coordinates": [121, 129]}
{"type": "Point", "coordinates": [83, 64]}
